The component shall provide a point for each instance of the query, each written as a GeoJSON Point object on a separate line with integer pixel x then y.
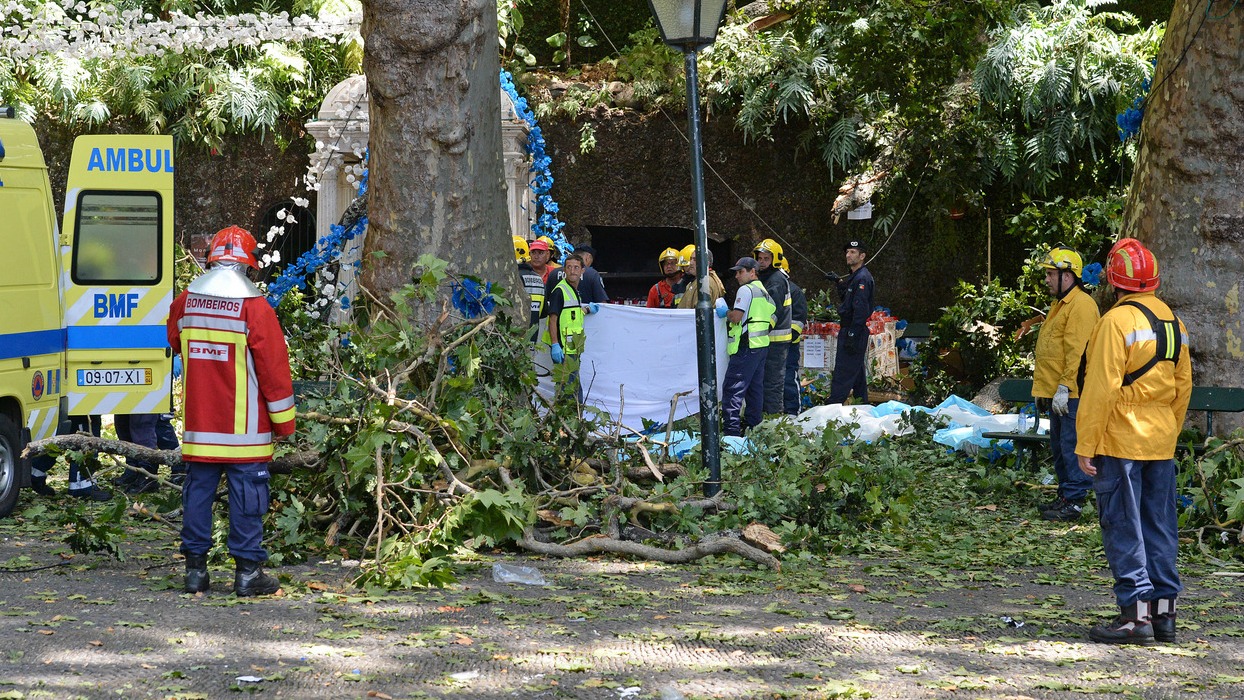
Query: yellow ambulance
{"type": "Point", "coordinates": [82, 307]}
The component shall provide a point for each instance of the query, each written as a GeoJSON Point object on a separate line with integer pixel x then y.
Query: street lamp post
{"type": "Point", "coordinates": [690, 25]}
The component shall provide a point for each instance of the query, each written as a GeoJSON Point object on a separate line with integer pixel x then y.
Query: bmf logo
{"type": "Point", "coordinates": [115, 305]}
{"type": "Point", "coordinates": [131, 160]}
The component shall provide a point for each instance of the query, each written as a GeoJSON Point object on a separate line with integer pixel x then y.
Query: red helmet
{"type": "Point", "coordinates": [1130, 266]}
{"type": "Point", "coordinates": [233, 244]}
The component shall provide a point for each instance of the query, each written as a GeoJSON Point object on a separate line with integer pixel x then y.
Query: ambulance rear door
{"type": "Point", "coordinates": [117, 258]}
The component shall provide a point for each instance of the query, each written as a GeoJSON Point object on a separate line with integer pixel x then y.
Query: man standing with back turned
{"type": "Point", "coordinates": [238, 396]}
{"type": "Point", "coordinates": [1137, 385]}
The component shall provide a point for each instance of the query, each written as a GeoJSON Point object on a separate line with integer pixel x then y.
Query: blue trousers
{"type": "Point", "coordinates": [745, 382]}
{"type": "Point", "coordinates": [775, 376]}
{"type": "Point", "coordinates": [1073, 484]}
{"type": "Point", "coordinates": [790, 390]}
{"type": "Point", "coordinates": [849, 375]}
{"type": "Point", "coordinates": [79, 474]}
{"type": "Point", "coordinates": [140, 429]}
{"type": "Point", "coordinates": [1139, 526]}
{"type": "Point", "coordinates": [248, 501]}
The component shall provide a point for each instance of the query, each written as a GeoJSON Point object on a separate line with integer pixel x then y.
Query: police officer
{"type": "Point", "coordinates": [1055, 381]}
{"type": "Point", "coordinates": [1137, 384]}
{"type": "Point", "coordinates": [768, 254]}
{"type": "Point", "coordinates": [798, 317]}
{"type": "Point", "coordinates": [749, 325]}
{"type": "Point", "coordinates": [856, 290]}
{"type": "Point", "coordinates": [591, 287]}
{"type": "Point", "coordinates": [238, 395]}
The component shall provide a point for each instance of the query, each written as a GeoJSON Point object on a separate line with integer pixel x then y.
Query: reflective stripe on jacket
{"type": "Point", "coordinates": [1142, 420]}
{"type": "Point", "coordinates": [1061, 343]}
{"type": "Point", "coordinates": [777, 284]}
{"type": "Point", "coordinates": [756, 327]}
{"type": "Point", "coordinates": [238, 393]}
{"type": "Point", "coordinates": [570, 320]}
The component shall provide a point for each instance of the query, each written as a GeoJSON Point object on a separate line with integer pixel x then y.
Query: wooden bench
{"type": "Point", "coordinates": [1207, 399]}
{"type": "Point", "coordinates": [1019, 391]}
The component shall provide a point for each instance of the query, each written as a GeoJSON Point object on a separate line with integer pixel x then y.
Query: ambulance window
{"type": "Point", "coordinates": [118, 238]}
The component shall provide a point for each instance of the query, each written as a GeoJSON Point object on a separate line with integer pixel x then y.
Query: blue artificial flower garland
{"type": "Point", "coordinates": [547, 223]}
{"type": "Point", "coordinates": [325, 251]}
{"type": "Point", "coordinates": [1129, 119]}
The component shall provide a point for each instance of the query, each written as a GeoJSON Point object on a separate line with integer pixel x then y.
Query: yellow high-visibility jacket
{"type": "Point", "coordinates": [1064, 335]}
{"type": "Point", "coordinates": [1140, 421]}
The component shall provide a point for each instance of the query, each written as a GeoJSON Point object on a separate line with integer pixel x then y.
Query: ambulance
{"type": "Point", "coordinates": [83, 306]}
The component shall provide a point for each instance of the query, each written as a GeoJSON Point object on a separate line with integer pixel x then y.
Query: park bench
{"type": "Point", "coordinates": [1207, 399]}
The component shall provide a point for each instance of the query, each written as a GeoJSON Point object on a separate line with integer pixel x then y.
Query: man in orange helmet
{"type": "Point", "coordinates": [238, 396]}
{"type": "Point", "coordinates": [1137, 384]}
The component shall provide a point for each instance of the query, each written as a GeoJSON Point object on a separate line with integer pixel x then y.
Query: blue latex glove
{"type": "Point", "coordinates": [722, 309]}
{"type": "Point", "coordinates": [559, 355]}
{"type": "Point", "coordinates": [593, 308]}
{"type": "Point", "coordinates": [176, 366]}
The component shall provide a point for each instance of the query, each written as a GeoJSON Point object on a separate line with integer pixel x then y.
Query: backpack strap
{"type": "Point", "coordinates": [1169, 339]}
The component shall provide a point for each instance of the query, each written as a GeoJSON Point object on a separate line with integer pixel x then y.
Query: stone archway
{"type": "Point", "coordinates": [341, 130]}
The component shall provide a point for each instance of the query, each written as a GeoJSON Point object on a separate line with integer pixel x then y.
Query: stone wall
{"type": "Point", "coordinates": [639, 175]}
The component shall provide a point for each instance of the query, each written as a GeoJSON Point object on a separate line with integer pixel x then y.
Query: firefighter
{"type": "Point", "coordinates": [1137, 385]}
{"type": "Point", "coordinates": [798, 317]}
{"type": "Point", "coordinates": [768, 253]}
{"type": "Point", "coordinates": [238, 397]}
{"type": "Point", "coordinates": [540, 252]}
{"type": "Point", "coordinates": [691, 294]}
{"type": "Point", "coordinates": [81, 482]}
{"type": "Point", "coordinates": [1055, 384]}
{"type": "Point", "coordinates": [532, 280]}
{"type": "Point", "coordinates": [667, 292]}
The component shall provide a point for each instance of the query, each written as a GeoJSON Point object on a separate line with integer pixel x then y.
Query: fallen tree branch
{"type": "Point", "coordinates": [601, 543]}
{"type": "Point", "coordinates": [284, 464]}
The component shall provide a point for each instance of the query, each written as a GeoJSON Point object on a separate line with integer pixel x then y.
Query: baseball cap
{"type": "Point", "coordinates": [745, 263]}
{"type": "Point", "coordinates": [538, 245]}
{"type": "Point", "coordinates": [858, 245]}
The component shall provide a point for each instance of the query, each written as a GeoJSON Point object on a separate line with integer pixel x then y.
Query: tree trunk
{"type": "Point", "coordinates": [1187, 190]}
{"type": "Point", "coordinates": [436, 182]}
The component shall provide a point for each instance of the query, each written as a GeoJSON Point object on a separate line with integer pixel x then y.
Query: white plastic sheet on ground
{"type": "Point", "coordinates": [636, 359]}
{"type": "Point", "coordinates": [967, 422]}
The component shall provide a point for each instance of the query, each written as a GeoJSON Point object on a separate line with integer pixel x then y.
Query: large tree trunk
{"type": "Point", "coordinates": [436, 182]}
{"type": "Point", "coordinates": [1187, 197]}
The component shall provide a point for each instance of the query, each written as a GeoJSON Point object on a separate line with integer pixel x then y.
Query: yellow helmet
{"type": "Point", "coordinates": [770, 246]}
{"type": "Point", "coordinates": [685, 255]}
{"type": "Point", "coordinates": [521, 252]}
{"type": "Point", "coordinates": [783, 264]}
{"type": "Point", "coordinates": [555, 253]}
{"type": "Point", "coordinates": [1063, 258]}
{"type": "Point", "coordinates": [668, 254]}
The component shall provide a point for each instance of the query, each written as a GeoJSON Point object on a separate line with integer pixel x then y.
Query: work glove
{"type": "Point", "coordinates": [176, 366]}
{"type": "Point", "coordinates": [1059, 403]}
{"type": "Point", "coordinates": [722, 309]}
{"type": "Point", "coordinates": [593, 308]}
{"type": "Point", "coordinates": [832, 277]}
{"type": "Point", "coordinates": [559, 355]}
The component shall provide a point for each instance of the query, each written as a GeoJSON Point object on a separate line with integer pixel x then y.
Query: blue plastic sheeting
{"type": "Point", "coordinates": [681, 443]}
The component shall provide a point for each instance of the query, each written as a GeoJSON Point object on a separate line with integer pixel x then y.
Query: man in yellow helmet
{"type": "Point", "coordinates": [1055, 382]}
{"type": "Point", "coordinates": [532, 281]}
{"type": "Point", "coordinates": [768, 254]}
{"type": "Point", "coordinates": [691, 295]}
{"type": "Point", "coordinates": [667, 292]}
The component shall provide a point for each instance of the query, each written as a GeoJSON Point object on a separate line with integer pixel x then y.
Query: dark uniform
{"type": "Point", "coordinates": [534, 285]}
{"type": "Point", "coordinates": [777, 284]}
{"type": "Point", "coordinates": [857, 305]}
{"type": "Point", "coordinates": [798, 317]}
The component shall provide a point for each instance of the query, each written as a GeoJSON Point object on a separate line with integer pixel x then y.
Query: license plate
{"type": "Point", "coordinates": [114, 377]}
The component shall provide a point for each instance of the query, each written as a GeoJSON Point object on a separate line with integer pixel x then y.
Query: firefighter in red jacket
{"type": "Point", "coordinates": [238, 398]}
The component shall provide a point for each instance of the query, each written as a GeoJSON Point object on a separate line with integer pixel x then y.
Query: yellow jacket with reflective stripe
{"type": "Point", "coordinates": [1140, 421]}
{"type": "Point", "coordinates": [1060, 346]}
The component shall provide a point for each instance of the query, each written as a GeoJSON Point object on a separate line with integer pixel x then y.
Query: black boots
{"type": "Point", "coordinates": [196, 574]}
{"type": "Point", "coordinates": [1132, 626]}
{"type": "Point", "coordinates": [1064, 511]}
{"type": "Point", "coordinates": [250, 580]}
{"type": "Point", "coordinates": [39, 484]}
{"type": "Point", "coordinates": [1163, 622]}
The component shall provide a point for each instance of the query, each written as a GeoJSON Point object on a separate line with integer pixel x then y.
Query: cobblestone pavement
{"type": "Point", "coordinates": [93, 627]}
